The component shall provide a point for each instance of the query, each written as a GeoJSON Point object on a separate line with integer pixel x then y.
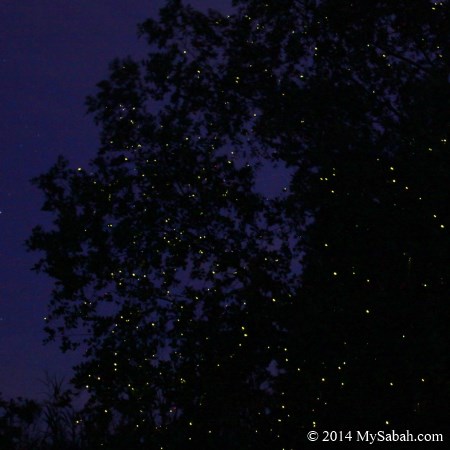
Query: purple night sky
{"type": "Point", "coordinates": [52, 54]}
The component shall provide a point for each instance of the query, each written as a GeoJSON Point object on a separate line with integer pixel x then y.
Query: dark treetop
{"type": "Point", "coordinates": [217, 317]}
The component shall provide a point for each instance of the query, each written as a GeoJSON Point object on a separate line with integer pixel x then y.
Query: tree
{"type": "Point", "coordinates": [51, 424]}
{"type": "Point", "coordinates": [200, 328]}
{"type": "Point", "coordinates": [17, 423]}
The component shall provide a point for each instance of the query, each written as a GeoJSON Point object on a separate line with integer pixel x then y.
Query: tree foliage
{"type": "Point", "coordinates": [215, 316]}
{"type": "Point", "coordinates": [50, 424]}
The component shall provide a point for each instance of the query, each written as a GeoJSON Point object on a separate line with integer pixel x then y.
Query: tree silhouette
{"type": "Point", "coordinates": [182, 281]}
{"type": "Point", "coordinates": [50, 424]}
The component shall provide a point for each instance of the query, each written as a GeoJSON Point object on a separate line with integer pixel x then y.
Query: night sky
{"type": "Point", "coordinates": [52, 54]}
